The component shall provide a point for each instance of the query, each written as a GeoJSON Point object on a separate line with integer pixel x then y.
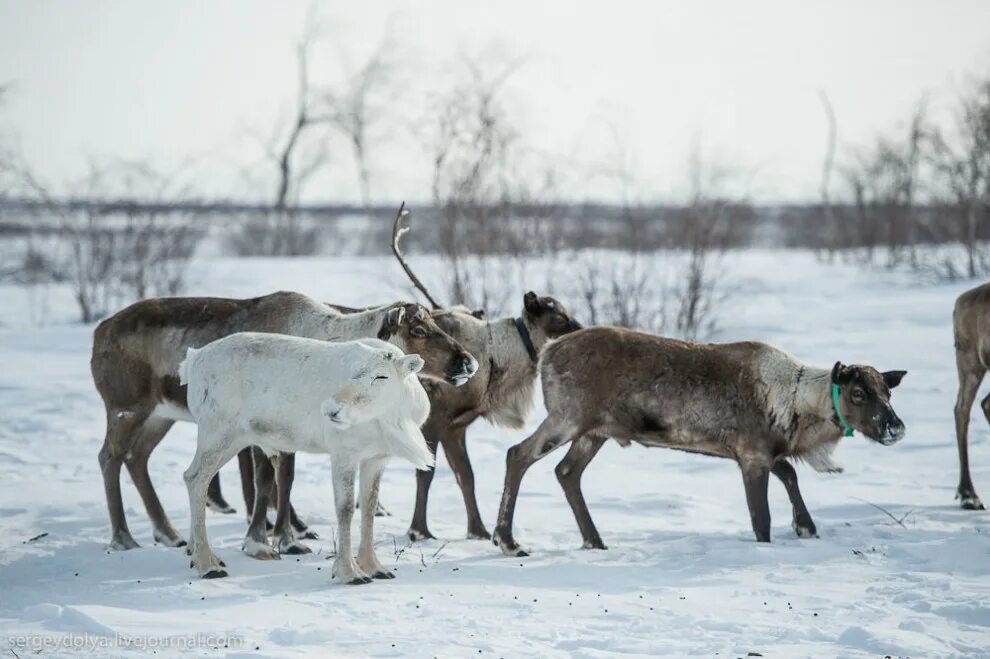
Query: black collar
{"type": "Point", "coordinates": [526, 339]}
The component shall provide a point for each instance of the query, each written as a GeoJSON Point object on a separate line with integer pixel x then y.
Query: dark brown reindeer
{"type": "Point", "coordinates": [745, 401]}
{"type": "Point", "coordinates": [135, 361]}
{"type": "Point", "coordinates": [502, 391]}
{"type": "Point", "coordinates": [971, 327]}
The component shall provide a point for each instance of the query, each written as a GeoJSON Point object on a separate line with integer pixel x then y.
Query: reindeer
{"type": "Point", "coordinates": [502, 391]}
{"type": "Point", "coordinates": [136, 355]}
{"type": "Point", "coordinates": [971, 327]}
{"type": "Point", "coordinates": [359, 401]}
{"type": "Point", "coordinates": [747, 401]}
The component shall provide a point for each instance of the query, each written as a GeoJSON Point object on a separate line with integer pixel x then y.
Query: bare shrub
{"type": "Point", "coordinates": [113, 252]}
{"type": "Point", "coordinates": [485, 204]}
{"type": "Point", "coordinates": [962, 170]}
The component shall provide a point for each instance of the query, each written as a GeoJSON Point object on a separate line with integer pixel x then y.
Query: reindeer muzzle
{"type": "Point", "coordinates": [464, 368]}
{"type": "Point", "coordinates": [893, 432]}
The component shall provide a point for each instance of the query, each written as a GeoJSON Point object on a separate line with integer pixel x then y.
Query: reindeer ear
{"type": "Point", "coordinates": [409, 365]}
{"type": "Point", "coordinates": [531, 302]}
{"type": "Point", "coordinates": [893, 378]}
{"type": "Point", "coordinates": [841, 374]}
{"type": "Point", "coordinates": [393, 320]}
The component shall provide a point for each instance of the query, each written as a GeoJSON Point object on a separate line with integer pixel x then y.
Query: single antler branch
{"type": "Point", "coordinates": [397, 232]}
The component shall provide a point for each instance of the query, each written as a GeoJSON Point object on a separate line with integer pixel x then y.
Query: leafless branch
{"type": "Point", "coordinates": [887, 512]}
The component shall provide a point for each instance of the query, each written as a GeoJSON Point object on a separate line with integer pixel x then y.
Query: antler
{"type": "Point", "coordinates": [397, 233]}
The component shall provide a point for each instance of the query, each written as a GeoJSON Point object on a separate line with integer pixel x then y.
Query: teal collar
{"type": "Point", "coordinates": [847, 430]}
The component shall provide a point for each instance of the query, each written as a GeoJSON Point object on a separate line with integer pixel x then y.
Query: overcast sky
{"type": "Point", "coordinates": [207, 82]}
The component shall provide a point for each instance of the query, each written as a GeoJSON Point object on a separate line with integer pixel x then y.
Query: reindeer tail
{"type": "Point", "coordinates": [186, 364]}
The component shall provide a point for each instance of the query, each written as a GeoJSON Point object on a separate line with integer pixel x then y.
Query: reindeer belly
{"type": "Point", "coordinates": [688, 441]}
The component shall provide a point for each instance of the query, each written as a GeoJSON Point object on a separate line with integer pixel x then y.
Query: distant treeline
{"type": "Point", "coordinates": [518, 228]}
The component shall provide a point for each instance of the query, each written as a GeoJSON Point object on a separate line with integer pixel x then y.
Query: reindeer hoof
{"type": "Point", "coordinates": [221, 507]}
{"type": "Point", "coordinates": [358, 581]}
{"type": "Point", "coordinates": [295, 549]}
{"type": "Point", "coordinates": [309, 534]}
{"type": "Point", "coordinates": [215, 574]}
{"type": "Point", "coordinates": [479, 534]}
{"type": "Point", "coordinates": [384, 574]}
{"type": "Point", "coordinates": [805, 530]}
{"type": "Point", "coordinates": [169, 541]}
{"type": "Point", "coordinates": [971, 502]}
{"type": "Point", "coordinates": [260, 551]}
{"type": "Point", "coordinates": [595, 543]}
{"type": "Point", "coordinates": [507, 544]}
{"type": "Point", "coordinates": [381, 512]}
{"type": "Point", "coordinates": [415, 535]}
{"type": "Point", "coordinates": [123, 542]}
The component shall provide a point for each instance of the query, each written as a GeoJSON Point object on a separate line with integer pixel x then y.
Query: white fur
{"type": "Point", "coordinates": [358, 401]}
{"type": "Point", "coordinates": [792, 388]}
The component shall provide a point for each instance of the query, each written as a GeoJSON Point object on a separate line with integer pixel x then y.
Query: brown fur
{"type": "Point", "coordinates": [501, 392]}
{"type": "Point", "coordinates": [744, 401]}
{"type": "Point", "coordinates": [971, 328]}
{"type": "Point", "coordinates": [137, 351]}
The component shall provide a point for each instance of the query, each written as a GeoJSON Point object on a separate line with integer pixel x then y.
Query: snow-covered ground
{"type": "Point", "coordinates": [683, 575]}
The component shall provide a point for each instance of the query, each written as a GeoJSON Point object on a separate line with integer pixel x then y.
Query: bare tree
{"type": "Point", "coordinates": [362, 103]}
{"type": "Point", "coordinates": [963, 169]}
{"type": "Point", "coordinates": [828, 164]}
{"type": "Point", "coordinates": [883, 182]}
{"type": "Point", "coordinates": [295, 160]}
{"type": "Point", "coordinates": [474, 147]}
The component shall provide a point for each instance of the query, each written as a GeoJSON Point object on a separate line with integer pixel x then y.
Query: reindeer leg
{"type": "Point", "coordinates": [246, 464]}
{"type": "Point", "coordinates": [970, 376]}
{"type": "Point", "coordinates": [214, 498]}
{"type": "Point", "coordinates": [417, 528]}
{"type": "Point", "coordinates": [802, 524]}
{"type": "Point", "coordinates": [256, 541]}
{"type": "Point", "coordinates": [518, 459]}
{"type": "Point", "coordinates": [756, 477]}
{"type": "Point", "coordinates": [345, 569]}
{"type": "Point", "coordinates": [122, 426]}
{"type": "Point", "coordinates": [303, 532]}
{"type": "Point", "coordinates": [150, 434]}
{"type": "Point", "coordinates": [569, 472]}
{"type": "Point", "coordinates": [371, 478]}
{"type": "Point", "coordinates": [284, 538]}
{"type": "Point", "coordinates": [204, 466]}
{"type": "Point", "coordinates": [454, 447]}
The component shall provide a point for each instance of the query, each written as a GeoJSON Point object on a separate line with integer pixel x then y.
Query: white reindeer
{"type": "Point", "coordinates": [359, 401]}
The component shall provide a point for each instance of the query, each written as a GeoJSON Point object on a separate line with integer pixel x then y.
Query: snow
{"type": "Point", "coordinates": [682, 576]}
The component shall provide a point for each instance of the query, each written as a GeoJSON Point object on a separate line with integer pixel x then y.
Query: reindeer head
{"type": "Point", "coordinates": [413, 330]}
{"type": "Point", "coordinates": [548, 315]}
{"type": "Point", "coordinates": [864, 401]}
{"type": "Point", "coordinates": [377, 385]}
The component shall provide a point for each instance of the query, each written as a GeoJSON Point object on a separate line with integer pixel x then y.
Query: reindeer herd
{"type": "Point", "coordinates": [269, 376]}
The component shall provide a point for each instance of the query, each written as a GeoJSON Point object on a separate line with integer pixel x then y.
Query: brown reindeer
{"type": "Point", "coordinates": [136, 354]}
{"type": "Point", "coordinates": [502, 392]}
{"type": "Point", "coordinates": [745, 401]}
{"type": "Point", "coordinates": [971, 327]}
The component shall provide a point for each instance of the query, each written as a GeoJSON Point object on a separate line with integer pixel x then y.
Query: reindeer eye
{"type": "Point", "coordinates": [381, 377]}
{"type": "Point", "coordinates": [858, 395]}
{"type": "Point", "coordinates": [418, 331]}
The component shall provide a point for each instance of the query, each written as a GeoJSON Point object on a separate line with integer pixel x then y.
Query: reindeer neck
{"type": "Point", "coordinates": [509, 351]}
{"type": "Point", "coordinates": [813, 402]}
{"type": "Point", "coordinates": [362, 324]}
